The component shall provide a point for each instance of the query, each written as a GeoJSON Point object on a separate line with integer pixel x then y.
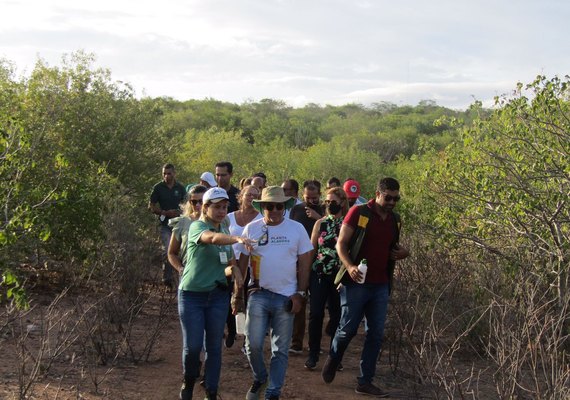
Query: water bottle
{"type": "Point", "coordinates": [240, 323]}
{"type": "Point", "coordinates": [363, 268]}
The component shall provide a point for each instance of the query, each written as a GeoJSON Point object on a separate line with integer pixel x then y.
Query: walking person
{"type": "Point", "coordinates": [280, 264]}
{"type": "Point", "coordinates": [180, 226]}
{"type": "Point", "coordinates": [238, 220]}
{"type": "Point", "coordinates": [376, 227]}
{"type": "Point", "coordinates": [224, 172]}
{"type": "Point", "coordinates": [306, 213]}
{"type": "Point", "coordinates": [322, 289]}
{"type": "Point", "coordinates": [165, 202]}
{"type": "Point", "coordinates": [203, 295]}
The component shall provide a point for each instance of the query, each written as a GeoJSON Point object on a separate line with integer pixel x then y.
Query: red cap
{"type": "Point", "coordinates": [352, 189]}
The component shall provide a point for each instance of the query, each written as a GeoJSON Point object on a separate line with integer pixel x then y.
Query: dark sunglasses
{"type": "Point", "coordinates": [271, 206]}
{"type": "Point", "coordinates": [387, 197]}
{"type": "Point", "coordinates": [330, 202]}
{"type": "Point", "coordinates": [195, 202]}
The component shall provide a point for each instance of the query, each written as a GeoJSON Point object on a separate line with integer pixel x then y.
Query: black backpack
{"type": "Point", "coordinates": [358, 238]}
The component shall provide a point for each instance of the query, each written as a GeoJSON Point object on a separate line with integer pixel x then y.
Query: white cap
{"type": "Point", "coordinates": [209, 178]}
{"type": "Point", "coordinates": [215, 194]}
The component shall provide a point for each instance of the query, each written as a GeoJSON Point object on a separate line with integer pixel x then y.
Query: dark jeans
{"type": "Point", "coordinates": [323, 291]}
{"type": "Point", "coordinates": [167, 269]}
{"type": "Point", "coordinates": [299, 327]}
{"type": "Point", "coordinates": [358, 301]}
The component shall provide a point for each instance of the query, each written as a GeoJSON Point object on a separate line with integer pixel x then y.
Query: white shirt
{"type": "Point", "coordinates": [237, 230]}
{"type": "Point", "coordinates": [276, 252]}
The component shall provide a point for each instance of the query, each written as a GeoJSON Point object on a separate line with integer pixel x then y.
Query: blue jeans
{"type": "Point", "coordinates": [167, 269]}
{"type": "Point", "coordinates": [267, 309]}
{"type": "Point", "coordinates": [203, 313]}
{"type": "Point", "coordinates": [323, 291]}
{"type": "Point", "coordinates": [358, 301]}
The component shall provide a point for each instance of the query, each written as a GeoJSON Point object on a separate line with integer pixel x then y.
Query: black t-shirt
{"type": "Point", "coordinates": [232, 194]}
{"type": "Point", "coordinates": [299, 214]}
{"type": "Point", "coordinates": [167, 198]}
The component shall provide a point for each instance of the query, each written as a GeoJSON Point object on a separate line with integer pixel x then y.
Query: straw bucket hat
{"type": "Point", "coordinates": [273, 194]}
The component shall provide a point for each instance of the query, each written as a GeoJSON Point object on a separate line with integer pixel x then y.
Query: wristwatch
{"type": "Point", "coordinates": [302, 293]}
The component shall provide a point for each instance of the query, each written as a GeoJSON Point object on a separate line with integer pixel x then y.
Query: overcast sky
{"type": "Point", "coordinates": [325, 52]}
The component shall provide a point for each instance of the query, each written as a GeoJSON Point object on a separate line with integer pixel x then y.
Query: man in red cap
{"type": "Point", "coordinates": [352, 189]}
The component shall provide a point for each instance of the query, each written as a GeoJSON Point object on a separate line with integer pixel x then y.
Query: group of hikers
{"type": "Point", "coordinates": [262, 250]}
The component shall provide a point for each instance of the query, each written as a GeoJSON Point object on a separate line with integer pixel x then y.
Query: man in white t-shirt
{"type": "Point", "coordinates": [280, 265]}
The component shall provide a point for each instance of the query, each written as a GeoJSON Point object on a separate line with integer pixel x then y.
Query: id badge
{"type": "Point", "coordinates": [223, 257]}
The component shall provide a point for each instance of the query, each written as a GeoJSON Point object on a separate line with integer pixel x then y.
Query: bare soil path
{"type": "Point", "coordinates": [161, 378]}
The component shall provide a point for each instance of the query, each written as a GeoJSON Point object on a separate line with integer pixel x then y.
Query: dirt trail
{"type": "Point", "coordinates": [161, 378]}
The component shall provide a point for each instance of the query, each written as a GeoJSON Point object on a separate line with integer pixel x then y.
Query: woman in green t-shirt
{"type": "Point", "coordinates": [191, 211]}
{"type": "Point", "coordinates": [203, 295]}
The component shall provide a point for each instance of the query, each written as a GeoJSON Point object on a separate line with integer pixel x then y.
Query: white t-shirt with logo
{"type": "Point", "coordinates": [276, 252]}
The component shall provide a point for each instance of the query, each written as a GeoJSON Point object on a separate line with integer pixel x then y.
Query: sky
{"type": "Point", "coordinates": [333, 52]}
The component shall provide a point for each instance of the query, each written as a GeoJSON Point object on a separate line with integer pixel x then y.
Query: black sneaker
{"type": "Point", "coordinates": [186, 390]}
{"type": "Point", "coordinates": [230, 339]}
{"type": "Point", "coordinates": [370, 390]}
{"type": "Point", "coordinates": [255, 390]}
{"type": "Point", "coordinates": [329, 369]}
{"type": "Point", "coordinates": [273, 398]}
{"type": "Point", "coordinates": [311, 362]}
{"type": "Point", "coordinates": [211, 395]}
{"type": "Point", "coordinates": [340, 367]}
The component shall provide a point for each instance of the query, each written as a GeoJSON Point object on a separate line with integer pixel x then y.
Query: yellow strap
{"type": "Point", "coordinates": [362, 221]}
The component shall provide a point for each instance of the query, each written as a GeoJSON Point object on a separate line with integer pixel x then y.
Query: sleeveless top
{"type": "Point", "coordinates": [327, 261]}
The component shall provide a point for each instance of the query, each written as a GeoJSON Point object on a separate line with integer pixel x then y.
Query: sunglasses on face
{"type": "Point", "coordinates": [271, 206]}
{"type": "Point", "coordinates": [196, 202]}
{"type": "Point", "coordinates": [327, 202]}
{"type": "Point", "coordinates": [387, 197]}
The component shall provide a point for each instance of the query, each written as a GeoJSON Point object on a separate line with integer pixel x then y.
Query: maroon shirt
{"type": "Point", "coordinates": [376, 244]}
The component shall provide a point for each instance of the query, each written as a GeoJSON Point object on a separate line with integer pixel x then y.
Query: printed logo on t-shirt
{"type": "Point", "coordinates": [279, 240]}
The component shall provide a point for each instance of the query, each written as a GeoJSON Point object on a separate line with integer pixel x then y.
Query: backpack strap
{"type": "Point", "coordinates": [392, 263]}
{"type": "Point", "coordinates": [356, 239]}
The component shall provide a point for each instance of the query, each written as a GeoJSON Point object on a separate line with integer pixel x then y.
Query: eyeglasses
{"type": "Point", "coordinates": [272, 206]}
{"type": "Point", "coordinates": [327, 202]}
{"type": "Point", "coordinates": [264, 239]}
{"type": "Point", "coordinates": [196, 202]}
{"type": "Point", "coordinates": [396, 199]}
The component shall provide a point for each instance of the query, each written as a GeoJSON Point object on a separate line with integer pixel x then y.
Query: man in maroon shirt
{"type": "Point", "coordinates": [369, 299]}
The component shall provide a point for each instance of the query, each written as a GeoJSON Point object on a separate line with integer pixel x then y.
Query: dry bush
{"type": "Point", "coordinates": [433, 315]}
{"type": "Point", "coordinates": [88, 317]}
{"type": "Point", "coordinates": [528, 341]}
{"type": "Point", "coordinates": [461, 322]}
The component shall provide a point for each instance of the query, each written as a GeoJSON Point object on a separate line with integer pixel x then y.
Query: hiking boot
{"type": "Point", "coordinates": [370, 390]}
{"type": "Point", "coordinates": [255, 390]}
{"type": "Point", "coordinates": [311, 362]}
{"type": "Point", "coordinates": [186, 390]}
{"type": "Point", "coordinates": [329, 369]}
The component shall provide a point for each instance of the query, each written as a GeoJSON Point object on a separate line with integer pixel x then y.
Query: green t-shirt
{"type": "Point", "coordinates": [204, 268]}
{"type": "Point", "coordinates": [180, 228]}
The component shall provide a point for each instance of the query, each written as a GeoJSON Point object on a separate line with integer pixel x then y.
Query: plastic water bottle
{"type": "Point", "coordinates": [363, 268]}
{"type": "Point", "coordinates": [240, 323]}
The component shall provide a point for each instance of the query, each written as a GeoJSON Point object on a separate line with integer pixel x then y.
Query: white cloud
{"type": "Point", "coordinates": [315, 51]}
